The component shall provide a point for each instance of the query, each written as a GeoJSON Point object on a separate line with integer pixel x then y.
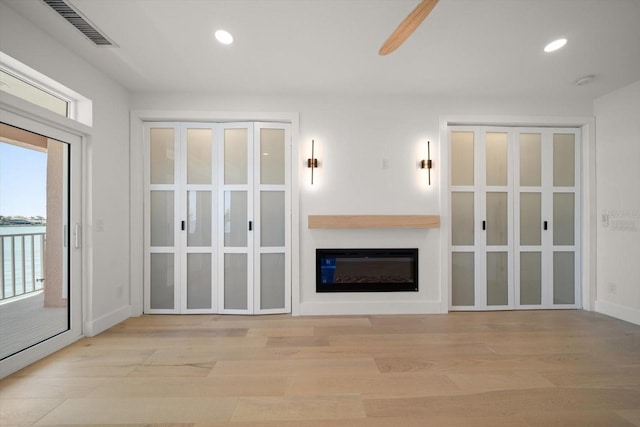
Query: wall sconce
{"type": "Point", "coordinates": [312, 162]}
{"type": "Point", "coordinates": [427, 164]}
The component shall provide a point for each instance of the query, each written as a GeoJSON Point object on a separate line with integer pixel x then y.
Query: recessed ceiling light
{"type": "Point", "coordinates": [555, 45]}
{"type": "Point", "coordinates": [224, 37]}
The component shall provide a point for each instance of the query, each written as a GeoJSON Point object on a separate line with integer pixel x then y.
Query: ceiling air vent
{"type": "Point", "coordinates": [75, 18]}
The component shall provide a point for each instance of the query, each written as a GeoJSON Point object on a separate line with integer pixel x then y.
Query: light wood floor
{"type": "Point", "coordinates": [551, 368]}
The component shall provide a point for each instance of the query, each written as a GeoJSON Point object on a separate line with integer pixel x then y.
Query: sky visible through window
{"type": "Point", "coordinates": [23, 181]}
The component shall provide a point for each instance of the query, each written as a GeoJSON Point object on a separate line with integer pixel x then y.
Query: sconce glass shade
{"type": "Point", "coordinates": [427, 164]}
{"type": "Point", "coordinates": [312, 162]}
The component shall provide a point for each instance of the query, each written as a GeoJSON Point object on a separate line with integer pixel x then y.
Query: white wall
{"type": "Point", "coordinates": [108, 165]}
{"type": "Point", "coordinates": [352, 135]}
{"type": "Point", "coordinates": [618, 196]}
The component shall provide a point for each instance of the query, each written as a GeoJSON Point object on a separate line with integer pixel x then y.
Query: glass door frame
{"type": "Point", "coordinates": [34, 119]}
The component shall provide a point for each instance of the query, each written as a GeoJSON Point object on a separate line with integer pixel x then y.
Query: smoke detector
{"type": "Point", "coordinates": [584, 80]}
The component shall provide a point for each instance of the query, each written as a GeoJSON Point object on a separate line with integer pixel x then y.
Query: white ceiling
{"type": "Point", "coordinates": [464, 48]}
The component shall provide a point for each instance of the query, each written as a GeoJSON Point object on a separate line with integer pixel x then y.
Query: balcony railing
{"type": "Point", "coordinates": [22, 266]}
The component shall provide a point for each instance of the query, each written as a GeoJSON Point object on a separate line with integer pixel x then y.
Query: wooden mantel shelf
{"type": "Point", "coordinates": [374, 221]}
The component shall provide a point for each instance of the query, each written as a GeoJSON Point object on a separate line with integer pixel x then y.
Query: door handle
{"type": "Point", "coordinates": [544, 225]}
{"type": "Point", "coordinates": [484, 225]}
{"type": "Point", "coordinates": [77, 236]}
{"type": "Point", "coordinates": [250, 225]}
{"type": "Point", "coordinates": [182, 224]}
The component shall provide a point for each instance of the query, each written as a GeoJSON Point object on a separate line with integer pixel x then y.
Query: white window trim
{"type": "Point", "coordinates": [80, 107]}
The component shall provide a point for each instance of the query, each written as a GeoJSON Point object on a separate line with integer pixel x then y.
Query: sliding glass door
{"type": "Point", "coordinates": [39, 239]}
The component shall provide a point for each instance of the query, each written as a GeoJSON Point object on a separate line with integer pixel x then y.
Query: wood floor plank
{"type": "Point", "coordinates": [379, 422]}
{"type": "Point", "coordinates": [507, 403]}
{"type": "Point", "coordinates": [631, 415]}
{"type": "Point", "coordinates": [86, 411]}
{"type": "Point", "coordinates": [296, 367]}
{"type": "Point", "coordinates": [578, 419]}
{"type": "Point", "coordinates": [222, 386]}
{"type": "Point", "coordinates": [520, 369]}
{"type": "Point", "coordinates": [372, 386]}
{"type": "Point", "coordinates": [297, 408]}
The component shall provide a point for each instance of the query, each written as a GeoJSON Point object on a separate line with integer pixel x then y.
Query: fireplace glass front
{"type": "Point", "coordinates": [367, 270]}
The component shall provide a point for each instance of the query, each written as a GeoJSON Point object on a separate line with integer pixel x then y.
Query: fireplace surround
{"type": "Point", "coordinates": [367, 270]}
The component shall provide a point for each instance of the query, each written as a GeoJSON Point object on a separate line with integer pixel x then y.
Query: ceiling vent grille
{"type": "Point", "coordinates": [75, 18]}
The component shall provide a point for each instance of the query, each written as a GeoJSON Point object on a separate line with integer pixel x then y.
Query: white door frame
{"type": "Point", "coordinates": [588, 187]}
{"type": "Point", "coordinates": [138, 117]}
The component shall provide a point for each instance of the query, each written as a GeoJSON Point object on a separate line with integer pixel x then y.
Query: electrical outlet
{"type": "Point", "coordinates": [384, 164]}
{"type": "Point", "coordinates": [605, 219]}
{"type": "Point", "coordinates": [612, 288]}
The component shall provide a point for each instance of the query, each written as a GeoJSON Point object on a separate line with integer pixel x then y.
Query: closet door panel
{"type": "Point", "coordinates": [162, 212]}
{"type": "Point", "coordinates": [530, 219]}
{"type": "Point", "coordinates": [272, 280]}
{"type": "Point", "coordinates": [236, 219]}
{"type": "Point", "coordinates": [236, 222]}
{"type": "Point", "coordinates": [162, 218]}
{"type": "Point", "coordinates": [530, 278]}
{"type": "Point", "coordinates": [463, 279]}
{"type": "Point", "coordinates": [564, 278]}
{"type": "Point", "coordinates": [199, 219]}
{"type": "Point", "coordinates": [236, 281]}
{"type": "Point", "coordinates": [497, 278]}
{"type": "Point", "coordinates": [273, 240]}
{"type": "Point", "coordinates": [272, 156]}
{"type": "Point", "coordinates": [563, 219]}
{"type": "Point", "coordinates": [564, 164]}
{"type": "Point", "coordinates": [236, 161]}
{"type": "Point", "coordinates": [272, 218]}
{"type": "Point", "coordinates": [199, 289]}
{"type": "Point", "coordinates": [462, 219]}
{"type": "Point", "coordinates": [162, 281]}
{"type": "Point", "coordinates": [162, 155]}
{"type": "Point", "coordinates": [497, 222]}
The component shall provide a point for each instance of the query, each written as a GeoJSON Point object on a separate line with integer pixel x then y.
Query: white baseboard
{"type": "Point", "coordinates": [375, 307]}
{"type": "Point", "coordinates": [101, 324]}
{"type": "Point", "coordinates": [621, 312]}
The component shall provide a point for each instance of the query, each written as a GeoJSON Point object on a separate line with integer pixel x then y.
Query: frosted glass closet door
{"type": "Point", "coordinates": [565, 223]}
{"type": "Point", "coordinates": [272, 284]}
{"type": "Point", "coordinates": [199, 208]}
{"type": "Point", "coordinates": [497, 214]}
{"type": "Point", "coordinates": [463, 219]}
{"type": "Point", "coordinates": [481, 219]}
{"type": "Point", "coordinates": [161, 281]}
{"type": "Point", "coordinates": [547, 257]}
{"type": "Point", "coordinates": [236, 222]}
{"type": "Point", "coordinates": [529, 249]}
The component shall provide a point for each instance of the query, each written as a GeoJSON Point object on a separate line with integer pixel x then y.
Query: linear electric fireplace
{"type": "Point", "coordinates": [367, 270]}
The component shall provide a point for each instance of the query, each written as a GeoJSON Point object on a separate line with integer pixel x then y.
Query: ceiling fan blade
{"type": "Point", "coordinates": [408, 26]}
